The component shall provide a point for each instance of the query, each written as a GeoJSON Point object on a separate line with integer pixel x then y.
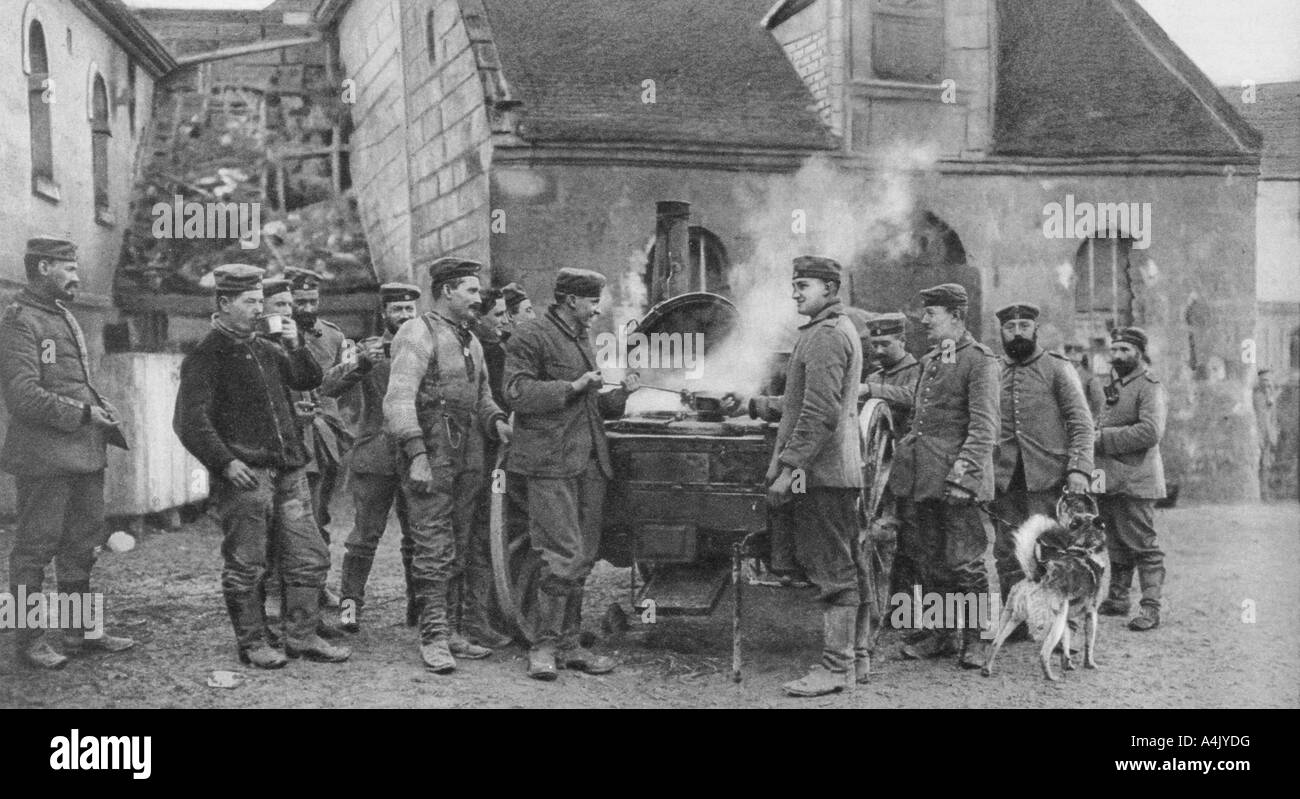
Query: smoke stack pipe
{"type": "Point", "coordinates": [671, 269]}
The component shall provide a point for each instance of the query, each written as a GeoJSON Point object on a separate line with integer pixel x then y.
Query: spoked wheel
{"type": "Point", "coordinates": [516, 568]}
{"type": "Point", "coordinates": [877, 429]}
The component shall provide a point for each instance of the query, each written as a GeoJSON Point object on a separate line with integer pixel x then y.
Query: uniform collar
{"type": "Point", "coordinates": [908, 360]}
{"type": "Point", "coordinates": [564, 326]}
{"type": "Point", "coordinates": [457, 326]}
{"type": "Point", "coordinates": [1038, 353]}
{"type": "Point", "coordinates": [833, 308]}
{"type": "Point", "coordinates": [29, 297]}
{"type": "Point", "coordinates": [962, 343]}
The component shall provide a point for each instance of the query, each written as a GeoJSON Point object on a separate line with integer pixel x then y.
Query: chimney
{"type": "Point", "coordinates": [670, 270]}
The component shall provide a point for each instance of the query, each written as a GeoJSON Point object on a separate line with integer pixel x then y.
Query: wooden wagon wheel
{"type": "Point", "coordinates": [876, 426]}
{"type": "Point", "coordinates": [516, 567]}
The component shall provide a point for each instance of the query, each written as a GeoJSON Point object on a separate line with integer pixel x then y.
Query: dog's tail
{"type": "Point", "coordinates": [1026, 537]}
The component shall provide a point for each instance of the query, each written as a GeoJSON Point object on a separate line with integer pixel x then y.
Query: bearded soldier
{"type": "Point", "coordinates": [1128, 453]}
{"type": "Point", "coordinates": [55, 445]}
{"type": "Point", "coordinates": [438, 410]}
{"type": "Point", "coordinates": [944, 464]}
{"type": "Point", "coordinates": [1045, 443]}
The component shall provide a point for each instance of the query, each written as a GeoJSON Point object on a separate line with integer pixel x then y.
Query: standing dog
{"type": "Point", "coordinates": [1065, 567]}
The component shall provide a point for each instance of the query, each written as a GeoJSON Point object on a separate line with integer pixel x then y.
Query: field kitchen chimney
{"type": "Point", "coordinates": [669, 274]}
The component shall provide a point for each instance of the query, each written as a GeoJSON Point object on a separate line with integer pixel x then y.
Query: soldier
{"type": "Point", "coordinates": [1264, 400]}
{"type": "Point", "coordinates": [818, 445]}
{"type": "Point", "coordinates": [233, 414]}
{"type": "Point", "coordinates": [489, 329]}
{"type": "Point", "coordinates": [437, 410]}
{"type": "Point", "coordinates": [376, 479]}
{"type": "Point", "coordinates": [945, 462]}
{"type": "Point", "coordinates": [1128, 453]}
{"type": "Point", "coordinates": [55, 445]}
{"type": "Point", "coordinates": [519, 308]}
{"type": "Point", "coordinates": [894, 381]}
{"type": "Point", "coordinates": [325, 435]}
{"type": "Point", "coordinates": [1045, 443]}
{"type": "Point", "coordinates": [553, 386]}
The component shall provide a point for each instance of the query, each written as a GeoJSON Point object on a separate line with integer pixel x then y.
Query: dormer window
{"type": "Point", "coordinates": [905, 43]}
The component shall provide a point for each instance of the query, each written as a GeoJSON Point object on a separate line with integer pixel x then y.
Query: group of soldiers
{"type": "Point", "coordinates": [438, 393]}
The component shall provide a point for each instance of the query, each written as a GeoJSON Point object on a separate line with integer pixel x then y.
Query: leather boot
{"type": "Point", "coordinates": [81, 642]}
{"type": "Point", "coordinates": [1117, 603]}
{"type": "Point", "coordinates": [460, 645]}
{"type": "Point", "coordinates": [1152, 580]}
{"type": "Point", "coordinates": [476, 611]}
{"type": "Point", "coordinates": [302, 617]}
{"type": "Point", "coordinates": [436, 654]}
{"type": "Point", "coordinates": [862, 644]}
{"type": "Point", "coordinates": [35, 652]}
{"type": "Point", "coordinates": [352, 589]}
{"type": "Point", "coordinates": [836, 671]}
{"type": "Point", "coordinates": [550, 620]}
{"type": "Point", "coordinates": [972, 649]}
{"type": "Point", "coordinates": [246, 616]}
{"type": "Point", "coordinates": [350, 615]}
{"type": "Point", "coordinates": [571, 653]}
{"type": "Point", "coordinates": [936, 644]}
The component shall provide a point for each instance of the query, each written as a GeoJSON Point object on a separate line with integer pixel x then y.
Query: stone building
{"type": "Point", "coordinates": [1063, 152]}
{"type": "Point", "coordinates": [73, 112]}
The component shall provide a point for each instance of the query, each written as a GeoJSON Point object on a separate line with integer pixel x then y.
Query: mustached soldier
{"type": "Point", "coordinates": [1129, 431]}
{"type": "Point", "coordinates": [945, 463]}
{"type": "Point", "coordinates": [376, 476]}
{"type": "Point", "coordinates": [1045, 442]}
{"type": "Point", "coordinates": [438, 409]}
{"type": "Point", "coordinates": [233, 414]}
{"type": "Point", "coordinates": [54, 447]}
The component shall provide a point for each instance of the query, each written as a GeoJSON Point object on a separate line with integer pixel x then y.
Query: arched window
{"type": "Point", "coordinates": [99, 133]}
{"type": "Point", "coordinates": [40, 90]}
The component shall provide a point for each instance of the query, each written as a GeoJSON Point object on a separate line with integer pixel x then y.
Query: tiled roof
{"type": "Point", "coordinates": [1276, 113]}
{"type": "Point", "coordinates": [578, 67]}
{"type": "Point", "coordinates": [1100, 77]}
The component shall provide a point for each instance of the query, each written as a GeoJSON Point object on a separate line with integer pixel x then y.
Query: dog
{"type": "Point", "coordinates": [1065, 566]}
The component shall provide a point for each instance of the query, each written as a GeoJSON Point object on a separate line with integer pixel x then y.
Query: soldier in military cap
{"type": "Point", "coordinates": [376, 469]}
{"type": "Point", "coordinates": [1078, 355]}
{"type": "Point", "coordinates": [945, 463]}
{"type": "Point", "coordinates": [55, 445]}
{"type": "Point", "coordinates": [324, 433]}
{"type": "Point", "coordinates": [519, 308]}
{"type": "Point", "coordinates": [892, 378]}
{"type": "Point", "coordinates": [438, 409]}
{"type": "Point", "coordinates": [1128, 453]}
{"type": "Point", "coordinates": [553, 385]}
{"type": "Point", "coordinates": [1045, 442]}
{"type": "Point", "coordinates": [233, 414]}
{"type": "Point", "coordinates": [815, 476]}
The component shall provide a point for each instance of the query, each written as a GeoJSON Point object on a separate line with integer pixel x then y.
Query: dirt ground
{"type": "Point", "coordinates": [166, 593]}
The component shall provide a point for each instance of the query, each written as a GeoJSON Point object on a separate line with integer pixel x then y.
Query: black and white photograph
{"type": "Point", "coordinates": [650, 354]}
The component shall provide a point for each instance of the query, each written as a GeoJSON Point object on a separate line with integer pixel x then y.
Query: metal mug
{"type": "Point", "coordinates": [271, 324]}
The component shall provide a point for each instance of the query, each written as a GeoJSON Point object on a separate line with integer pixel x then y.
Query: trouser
{"type": "Point", "coordinates": [275, 515]}
{"type": "Point", "coordinates": [824, 522]}
{"type": "Point", "coordinates": [1131, 539]}
{"type": "Point", "coordinates": [59, 518]}
{"type": "Point", "coordinates": [372, 497]}
{"type": "Point", "coordinates": [322, 491]}
{"type": "Point", "coordinates": [564, 520]}
{"type": "Point", "coordinates": [953, 541]}
{"type": "Point", "coordinates": [1016, 504]}
{"type": "Point", "coordinates": [907, 551]}
{"type": "Point", "coordinates": [440, 520]}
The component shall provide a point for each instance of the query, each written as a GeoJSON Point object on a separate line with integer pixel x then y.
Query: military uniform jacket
{"type": "Point", "coordinates": [233, 402]}
{"type": "Point", "coordinates": [1045, 421]}
{"type": "Point", "coordinates": [954, 424]}
{"type": "Point", "coordinates": [556, 432]}
{"type": "Point", "coordinates": [373, 452]}
{"type": "Point", "coordinates": [45, 376]}
{"type": "Point", "coordinates": [896, 385]}
{"type": "Point", "coordinates": [325, 435]}
{"type": "Point", "coordinates": [819, 420]}
{"type": "Point", "coordinates": [438, 399]}
{"type": "Point", "coordinates": [1129, 433]}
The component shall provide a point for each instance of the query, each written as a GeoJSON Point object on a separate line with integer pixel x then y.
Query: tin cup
{"type": "Point", "coordinates": [271, 324]}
